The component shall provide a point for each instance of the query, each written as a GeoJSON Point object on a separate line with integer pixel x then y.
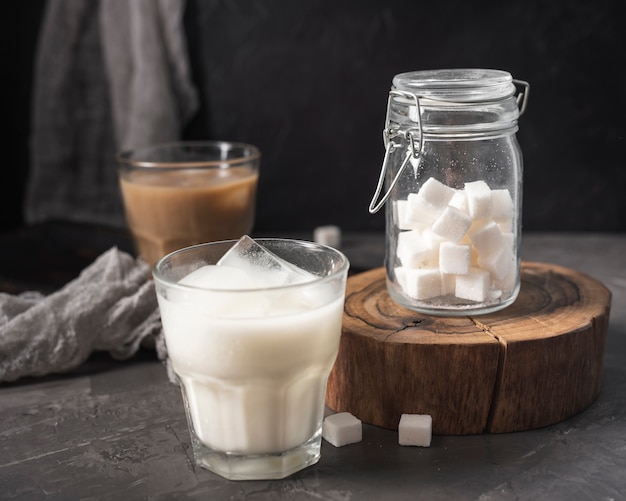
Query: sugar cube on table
{"type": "Point", "coordinates": [342, 429]}
{"type": "Point", "coordinates": [328, 235]}
{"type": "Point", "coordinates": [415, 429]}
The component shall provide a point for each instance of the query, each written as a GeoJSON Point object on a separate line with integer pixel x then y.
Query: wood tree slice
{"type": "Point", "coordinates": [535, 363]}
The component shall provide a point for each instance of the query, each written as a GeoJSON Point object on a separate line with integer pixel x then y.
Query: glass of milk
{"type": "Point", "coordinates": [189, 192]}
{"type": "Point", "coordinates": [252, 329]}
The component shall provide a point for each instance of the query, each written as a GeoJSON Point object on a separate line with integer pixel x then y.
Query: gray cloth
{"type": "Point", "coordinates": [110, 307]}
{"type": "Point", "coordinates": [147, 65]}
{"type": "Point", "coordinates": [109, 75]}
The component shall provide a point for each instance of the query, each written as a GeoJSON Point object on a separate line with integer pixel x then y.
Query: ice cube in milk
{"type": "Point", "coordinates": [218, 302]}
{"type": "Point", "coordinates": [264, 268]}
{"type": "Point", "coordinates": [253, 382]}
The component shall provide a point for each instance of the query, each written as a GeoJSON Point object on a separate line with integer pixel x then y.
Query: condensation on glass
{"type": "Point", "coordinates": [451, 184]}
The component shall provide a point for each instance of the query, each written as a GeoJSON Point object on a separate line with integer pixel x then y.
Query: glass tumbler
{"type": "Point", "coordinates": [185, 193]}
{"type": "Point", "coordinates": [253, 363]}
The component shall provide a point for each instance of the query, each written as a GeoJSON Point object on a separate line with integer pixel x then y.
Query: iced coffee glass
{"type": "Point", "coordinates": [185, 193]}
{"type": "Point", "coordinates": [252, 330]}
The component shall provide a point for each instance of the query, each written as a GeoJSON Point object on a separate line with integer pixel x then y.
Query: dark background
{"type": "Point", "coordinates": [307, 82]}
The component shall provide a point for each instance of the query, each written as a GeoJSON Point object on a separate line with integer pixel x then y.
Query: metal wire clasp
{"type": "Point", "coordinates": [413, 135]}
{"type": "Point", "coordinates": [523, 88]}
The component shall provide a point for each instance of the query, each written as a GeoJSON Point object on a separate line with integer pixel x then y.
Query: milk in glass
{"type": "Point", "coordinates": [252, 340]}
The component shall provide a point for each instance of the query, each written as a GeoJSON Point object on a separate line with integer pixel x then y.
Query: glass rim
{"type": "Point", "coordinates": [127, 157]}
{"type": "Point", "coordinates": [320, 279]}
{"type": "Point", "coordinates": [457, 84]}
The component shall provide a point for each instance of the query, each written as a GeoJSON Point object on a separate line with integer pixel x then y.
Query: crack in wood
{"type": "Point", "coordinates": [502, 346]}
{"type": "Point", "coordinates": [409, 325]}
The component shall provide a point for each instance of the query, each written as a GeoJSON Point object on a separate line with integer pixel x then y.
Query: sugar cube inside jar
{"type": "Point", "coordinates": [456, 247]}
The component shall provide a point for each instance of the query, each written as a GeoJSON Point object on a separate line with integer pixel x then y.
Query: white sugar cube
{"type": "Point", "coordinates": [476, 225]}
{"type": "Point", "coordinates": [415, 429]}
{"type": "Point", "coordinates": [448, 284]}
{"type": "Point", "coordinates": [487, 238]}
{"type": "Point", "coordinates": [509, 238]}
{"type": "Point", "coordinates": [454, 258]}
{"type": "Point", "coordinates": [429, 202]}
{"type": "Point", "coordinates": [502, 206]}
{"type": "Point", "coordinates": [499, 263]}
{"type": "Point", "coordinates": [434, 241]}
{"type": "Point", "coordinates": [452, 224]}
{"type": "Point", "coordinates": [419, 211]}
{"type": "Point", "coordinates": [419, 249]}
{"type": "Point", "coordinates": [506, 226]}
{"type": "Point", "coordinates": [342, 429]}
{"type": "Point", "coordinates": [401, 216]}
{"type": "Point", "coordinates": [459, 201]}
{"type": "Point", "coordinates": [478, 199]}
{"type": "Point", "coordinates": [431, 237]}
{"type": "Point", "coordinates": [328, 235]}
{"type": "Point", "coordinates": [413, 250]}
{"type": "Point", "coordinates": [436, 192]}
{"type": "Point", "coordinates": [474, 257]}
{"type": "Point", "coordinates": [473, 286]}
{"type": "Point", "coordinates": [424, 283]}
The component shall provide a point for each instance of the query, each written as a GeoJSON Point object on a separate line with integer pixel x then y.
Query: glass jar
{"type": "Point", "coordinates": [452, 178]}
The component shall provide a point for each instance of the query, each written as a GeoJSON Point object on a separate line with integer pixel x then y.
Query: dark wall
{"type": "Point", "coordinates": [307, 82]}
{"type": "Point", "coordinates": [19, 25]}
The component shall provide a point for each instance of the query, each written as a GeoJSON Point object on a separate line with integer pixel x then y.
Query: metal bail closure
{"type": "Point", "coordinates": [523, 88]}
{"type": "Point", "coordinates": [413, 146]}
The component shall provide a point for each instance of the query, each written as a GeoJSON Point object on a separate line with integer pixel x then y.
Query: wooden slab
{"type": "Point", "coordinates": [532, 364]}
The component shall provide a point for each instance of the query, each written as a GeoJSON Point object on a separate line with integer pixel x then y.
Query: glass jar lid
{"type": "Point", "coordinates": [457, 85]}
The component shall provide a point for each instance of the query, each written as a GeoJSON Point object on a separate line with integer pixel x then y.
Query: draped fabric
{"type": "Point", "coordinates": [109, 75]}
{"type": "Point", "coordinates": [110, 307]}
